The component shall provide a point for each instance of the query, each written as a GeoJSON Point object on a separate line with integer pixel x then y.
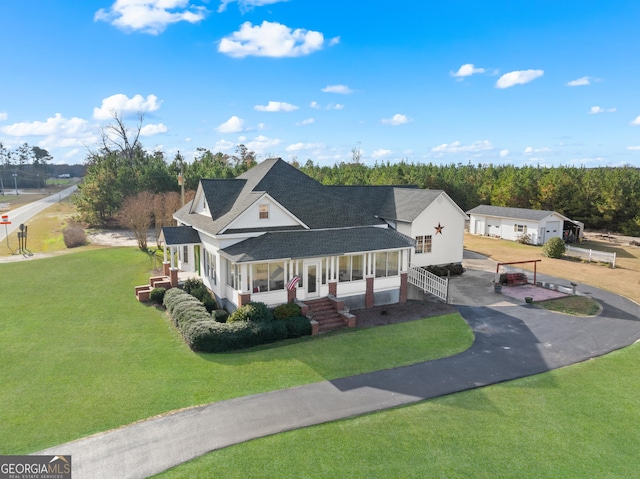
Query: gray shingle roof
{"type": "Point", "coordinates": [177, 235]}
{"type": "Point", "coordinates": [310, 244]}
{"type": "Point", "coordinates": [398, 203]}
{"type": "Point", "coordinates": [506, 212]}
{"type": "Point", "coordinates": [316, 205]}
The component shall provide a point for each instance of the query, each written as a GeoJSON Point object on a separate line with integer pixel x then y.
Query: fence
{"type": "Point", "coordinates": [429, 282]}
{"type": "Point", "coordinates": [592, 255]}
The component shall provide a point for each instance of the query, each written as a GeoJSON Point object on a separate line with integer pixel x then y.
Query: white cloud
{"type": "Point", "coordinates": [397, 119]}
{"type": "Point", "coordinates": [3, 115]}
{"type": "Point", "coordinates": [580, 82]}
{"type": "Point", "coordinates": [341, 89]}
{"type": "Point", "coordinates": [596, 109]}
{"type": "Point", "coordinates": [232, 125]}
{"type": "Point", "coordinates": [304, 146]}
{"type": "Point", "coordinates": [334, 41]}
{"type": "Point", "coordinates": [633, 148]}
{"type": "Point", "coordinates": [276, 106]}
{"type": "Point", "coordinates": [150, 130]}
{"type": "Point", "coordinates": [246, 5]}
{"type": "Point", "coordinates": [636, 121]}
{"type": "Point", "coordinates": [518, 77]}
{"type": "Point", "coordinates": [467, 70]}
{"type": "Point", "coordinates": [458, 147]}
{"type": "Point", "coordinates": [314, 104]}
{"type": "Point", "coordinates": [71, 153]}
{"type": "Point", "coordinates": [270, 39]}
{"type": "Point", "coordinates": [261, 144]}
{"type": "Point", "coordinates": [224, 145]}
{"type": "Point", "coordinates": [381, 153]}
{"type": "Point", "coordinates": [57, 125]}
{"type": "Point", "coordinates": [504, 153]}
{"type": "Point", "coordinates": [307, 121]}
{"type": "Point", "coordinates": [124, 105]}
{"type": "Point", "coordinates": [337, 106]}
{"type": "Point", "coordinates": [150, 16]}
{"type": "Point", "coordinates": [530, 150]}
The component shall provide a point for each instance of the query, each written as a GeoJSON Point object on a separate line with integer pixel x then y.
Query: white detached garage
{"type": "Point", "coordinates": [512, 223]}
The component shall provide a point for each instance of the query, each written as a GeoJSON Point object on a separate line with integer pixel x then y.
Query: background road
{"type": "Point", "coordinates": [24, 213]}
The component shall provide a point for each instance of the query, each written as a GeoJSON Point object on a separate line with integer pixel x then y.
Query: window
{"type": "Point", "coordinates": [234, 278]}
{"type": "Point", "coordinates": [185, 253]}
{"type": "Point", "coordinates": [387, 264]}
{"type": "Point", "coordinates": [264, 212]}
{"type": "Point", "coordinates": [350, 268]}
{"type": "Point", "coordinates": [268, 277]}
{"type": "Point", "coordinates": [520, 228]}
{"type": "Point", "coordinates": [423, 244]}
{"type": "Point", "coordinates": [210, 265]}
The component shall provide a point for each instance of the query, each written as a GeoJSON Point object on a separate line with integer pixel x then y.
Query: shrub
{"type": "Point", "coordinates": [74, 235]}
{"type": "Point", "coordinates": [437, 270]}
{"type": "Point", "coordinates": [174, 297]}
{"type": "Point", "coordinates": [298, 326]}
{"type": "Point", "coordinates": [455, 269]}
{"type": "Point", "coordinates": [192, 284]}
{"type": "Point", "coordinates": [554, 248]}
{"type": "Point", "coordinates": [220, 315]}
{"type": "Point", "coordinates": [286, 311]}
{"type": "Point", "coordinates": [255, 312]}
{"type": "Point", "coordinates": [157, 295]}
{"type": "Point", "coordinates": [524, 238]}
{"type": "Point", "coordinates": [209, 303]}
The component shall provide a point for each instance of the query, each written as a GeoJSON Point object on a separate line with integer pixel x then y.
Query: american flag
{"type": "Point", "coordinates": [293, 282]}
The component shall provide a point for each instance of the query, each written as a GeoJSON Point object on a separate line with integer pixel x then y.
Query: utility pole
{"type": "Point", "coordinates": [181, 176]}
{"type": "Point", "coordinates": [15, 182]}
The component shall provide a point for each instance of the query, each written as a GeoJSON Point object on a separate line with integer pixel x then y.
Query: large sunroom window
{"type": "Point", "coordinates": [268, 276]}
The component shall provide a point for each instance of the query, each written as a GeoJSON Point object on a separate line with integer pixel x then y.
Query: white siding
{"type": "Point", "coordinates": [446, 247]}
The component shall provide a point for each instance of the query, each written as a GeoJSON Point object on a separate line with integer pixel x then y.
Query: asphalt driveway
{"type": "Point", "coordinates": [512, 340]}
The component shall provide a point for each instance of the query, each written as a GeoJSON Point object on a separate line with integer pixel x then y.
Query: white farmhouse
{"type": "Point", "coordinates": [273, 235]}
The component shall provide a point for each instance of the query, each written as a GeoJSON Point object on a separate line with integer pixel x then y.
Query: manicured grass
{"type": "Point", "coordinates": [80, 355]}
{"type": "Point", "coordinates": [574, 305]}
{"type": "Point", "coordinates": [576, 422]}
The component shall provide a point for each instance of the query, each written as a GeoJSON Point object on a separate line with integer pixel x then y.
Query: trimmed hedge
{"type": "Point", "coordinates": [286, 311]}
{"type": "Point", "coordinates": [220, 315]}
{"type": "Point", "coordinates": [254, 325]}
{"type": "Point", "coordinates": [157, 295]}
{"type": "Point", "coordinates": [255, 312]}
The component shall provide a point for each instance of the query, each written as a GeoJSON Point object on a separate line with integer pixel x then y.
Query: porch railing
{"type": "Point", "coordinates": [429, 282]}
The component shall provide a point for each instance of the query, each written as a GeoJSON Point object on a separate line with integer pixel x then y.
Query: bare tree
{"type": "Point", "coordinates": [164, 206]}
{"type": "Point", "coordinates": [116, 137]}
{"type": "Point", "coordinates": [136, 214]}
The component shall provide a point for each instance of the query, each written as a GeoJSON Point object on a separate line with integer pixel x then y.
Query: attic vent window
{"type": "Point", "coordinates": [264, 212]}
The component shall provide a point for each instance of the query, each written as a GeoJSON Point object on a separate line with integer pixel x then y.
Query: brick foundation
{"type": "Point", "coordinates": [166, 267]}
{"type": "Point", "coordinates": [333, 288]}
{"type": "Point", "coordinates": [291, 295]}
{"type": "Point", "coordinates": [368, 297]}
{"type": "Point", "coordinates": [404, 285]}
{"type": "Point", "coordinates": [244, 299]}
{"type": "Point", "coordinates": [173, 277]}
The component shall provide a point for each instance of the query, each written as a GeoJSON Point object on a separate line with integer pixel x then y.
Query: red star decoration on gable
{"type": "Point", "coordinates": [439, 228]}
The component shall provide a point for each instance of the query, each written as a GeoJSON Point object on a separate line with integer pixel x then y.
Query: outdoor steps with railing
{"type": "Point", "coordinates": [324, 312]}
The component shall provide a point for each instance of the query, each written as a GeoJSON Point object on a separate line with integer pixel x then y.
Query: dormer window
{"type": "Point", "coordinates": [264, 212]}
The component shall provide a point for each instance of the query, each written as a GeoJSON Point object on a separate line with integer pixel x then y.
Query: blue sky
{"type": "Point", "coordinates": [501, 81]}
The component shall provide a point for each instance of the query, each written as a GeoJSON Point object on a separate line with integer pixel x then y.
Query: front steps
{"type": "Point", "coordinates": [329, 315]}
{"type": "Point", "coordinates": [143, 292]}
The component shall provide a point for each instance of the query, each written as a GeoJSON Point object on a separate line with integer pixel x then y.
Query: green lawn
{"type": "Point", "coordinates": [576, 422]}
{"type": "Point", "coordinates": [80, 355]}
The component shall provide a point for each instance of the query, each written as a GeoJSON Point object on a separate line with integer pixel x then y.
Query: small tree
{"type": "Point", "coordinates": [554, 248]}
{"type": "Point", "coordinates": [136, 214]}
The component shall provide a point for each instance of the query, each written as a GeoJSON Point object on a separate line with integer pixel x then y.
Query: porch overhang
{"type": "Point", "coordinates": [316, 243]}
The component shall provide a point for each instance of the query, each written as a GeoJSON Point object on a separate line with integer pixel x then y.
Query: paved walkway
{"type": "Point", "coordinates": [512, 340]}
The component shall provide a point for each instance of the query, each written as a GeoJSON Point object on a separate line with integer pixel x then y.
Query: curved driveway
{"type": "Point", "coordinates": [512, 340]}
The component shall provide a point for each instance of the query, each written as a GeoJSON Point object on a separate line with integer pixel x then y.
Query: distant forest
{"type": "Point", "coordinates": [602, 198]}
